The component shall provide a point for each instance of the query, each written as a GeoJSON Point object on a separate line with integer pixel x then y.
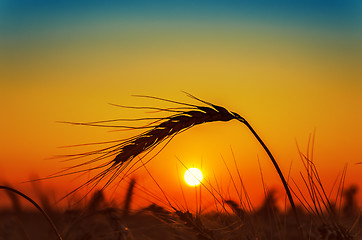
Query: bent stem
{"type": "Point", "coordinates": [36, 205]}
{"type": "Point", "coordinates": [285, 184]}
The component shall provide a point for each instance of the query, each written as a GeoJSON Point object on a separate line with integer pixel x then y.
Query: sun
{"type": "Point", "coordinates": [193, 176]}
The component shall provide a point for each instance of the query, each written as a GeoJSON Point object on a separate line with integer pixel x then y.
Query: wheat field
{"type": "Point", "coordinates": [315, 215]}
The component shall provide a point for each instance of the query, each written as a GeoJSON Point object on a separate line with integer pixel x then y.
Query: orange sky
{"type": "Point", "coordinates": [285, 82]}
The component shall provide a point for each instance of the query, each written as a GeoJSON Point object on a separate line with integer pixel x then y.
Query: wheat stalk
{"type": "Point", "coordinates": [160, 129]}
{"type": "Point", "coordinates": [54, 228]}
{"type": "Point", "coordinates": [195, 224]}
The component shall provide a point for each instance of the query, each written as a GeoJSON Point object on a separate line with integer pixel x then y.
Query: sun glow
{"type": "Point", "coordinates": [193, 176]}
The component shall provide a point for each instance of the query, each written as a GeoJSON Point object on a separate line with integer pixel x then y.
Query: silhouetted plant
{"type": "Point", "coordinates": [161, 129]}
{"type": "Point", "coordinates": [96, 202]}
{"type": "Point", "coordinates": [128, 199]}
{"type": "Point", "coordinates": [350, 206]}
{"type": "Point", "coordinates": [269, 206]}
{"type": "Point", "coordinates": [10, 189]}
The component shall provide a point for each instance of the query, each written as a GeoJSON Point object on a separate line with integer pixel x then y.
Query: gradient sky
{"type": "Point", "coordinates": [289, 67]}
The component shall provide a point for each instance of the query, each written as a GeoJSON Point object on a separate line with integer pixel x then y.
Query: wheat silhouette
{"type": "Point", "coordinates": [123, 152]}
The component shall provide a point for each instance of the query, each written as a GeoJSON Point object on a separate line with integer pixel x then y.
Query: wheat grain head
{"type": "Point", "coordinates": [119, 155]}
{"type": "Point", "coordinates": [161, 129]}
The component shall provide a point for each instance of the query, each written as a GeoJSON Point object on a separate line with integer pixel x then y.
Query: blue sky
{"type": "Point", "coordinates": [20, 14]}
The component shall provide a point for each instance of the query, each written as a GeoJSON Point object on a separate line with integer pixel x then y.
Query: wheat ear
{"type": "Point", "coordinates": [160, 130]}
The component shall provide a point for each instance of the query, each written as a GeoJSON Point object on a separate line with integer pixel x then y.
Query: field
{"type": "Point", "coordinates": [317, 214]}
{"type": "Point", "coordinates": [98, 218]}
{"type": "Point", "coordinates": [107, 104]}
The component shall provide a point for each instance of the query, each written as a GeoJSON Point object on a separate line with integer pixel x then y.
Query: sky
{"type": "Point", "coordinates": [290, 68]}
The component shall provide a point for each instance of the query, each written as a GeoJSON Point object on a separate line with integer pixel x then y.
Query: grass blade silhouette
{"type": "Point", "coordinates": [166, 128]}
{"type": "Point", "coordinates": [54, 228]}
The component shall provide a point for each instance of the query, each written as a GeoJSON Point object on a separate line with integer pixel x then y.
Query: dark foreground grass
{"type": "Point", "coordinates": [102, 219]}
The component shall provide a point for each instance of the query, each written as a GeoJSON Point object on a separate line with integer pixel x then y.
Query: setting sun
{"type": "Point", "coordinates": [193, 176]}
